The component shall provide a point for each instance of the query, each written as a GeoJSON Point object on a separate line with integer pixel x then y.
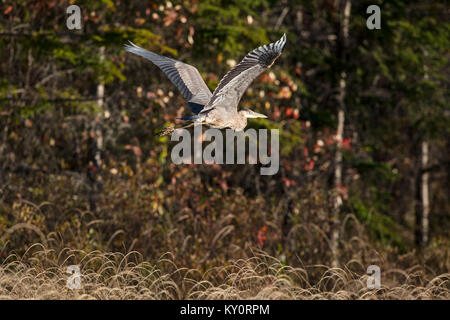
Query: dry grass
{"type": "Point", "coordinates": [41, 274]}
{"type": "Point", "coordinates": [211, 238]}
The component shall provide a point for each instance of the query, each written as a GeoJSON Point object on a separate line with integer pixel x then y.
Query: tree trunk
{"type": "Point", "coordinates": [95, 159]}
{"type": "Point", "coordinates": [337, 202]}
{"type": "Point", "coordinates": [422, 198]}
{"type": "Point", "coordinates": [422, 192]}
{"type": "Point", "coordinates": [98, 128]}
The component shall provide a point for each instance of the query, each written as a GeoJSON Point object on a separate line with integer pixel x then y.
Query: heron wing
{"type": "Point", "coordinates": [236, 81]}
{"type": "Point", "coordinates": [184, 76]}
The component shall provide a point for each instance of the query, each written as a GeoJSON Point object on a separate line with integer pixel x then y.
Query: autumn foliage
{"type": "Point", "coordinates": [85, 179]}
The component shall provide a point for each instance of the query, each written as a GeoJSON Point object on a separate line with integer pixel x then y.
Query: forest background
{"type": "Point", "coordinates": [364, 141]}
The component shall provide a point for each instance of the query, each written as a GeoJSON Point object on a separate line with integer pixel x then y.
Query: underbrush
{"type": "Point", "coordinates": [192, 236]}
{"type": "Point", "coordinates": [42, 274]}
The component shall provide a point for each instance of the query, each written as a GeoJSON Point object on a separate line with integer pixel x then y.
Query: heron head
{"type": "Point", "coordinates": [251, 114]}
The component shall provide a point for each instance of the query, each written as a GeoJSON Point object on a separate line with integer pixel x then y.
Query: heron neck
{"type": "Point", "coordinates": [242, 121]}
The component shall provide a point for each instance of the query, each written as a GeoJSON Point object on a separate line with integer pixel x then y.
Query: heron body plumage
{"type": "Point", "coordinates": [217, 109]}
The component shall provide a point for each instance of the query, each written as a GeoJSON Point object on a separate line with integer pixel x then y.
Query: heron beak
{"type": "Point", "coordinates": [253, 114]}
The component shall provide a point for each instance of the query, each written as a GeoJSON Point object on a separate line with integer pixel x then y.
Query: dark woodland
{"type": "Point", "coordinates": [364, 171]}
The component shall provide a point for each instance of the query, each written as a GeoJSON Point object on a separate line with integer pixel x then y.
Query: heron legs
{"type": "Point", "coordinates": [169, 130]}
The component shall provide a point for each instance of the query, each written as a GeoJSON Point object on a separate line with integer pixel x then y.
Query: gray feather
{"type": "Point", "coordinates": [236, 81]}
{"type": "Point", "coordinates": [184, 76]}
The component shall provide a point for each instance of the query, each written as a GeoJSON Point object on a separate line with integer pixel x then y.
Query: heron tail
{"type": "Point", "coordinates": [194, 117]}
{"type": "Point", "coordinates": [195, 107]}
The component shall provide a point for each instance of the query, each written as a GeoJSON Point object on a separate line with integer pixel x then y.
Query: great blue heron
{"type": "Point", "coordinates": [217, 109]}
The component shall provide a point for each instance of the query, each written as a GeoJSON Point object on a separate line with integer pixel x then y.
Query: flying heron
{"type": "Point", "coordinates": [217, 109]}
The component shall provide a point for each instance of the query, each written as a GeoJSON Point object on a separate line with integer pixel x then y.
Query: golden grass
{"type": "Point", "coordinates": [41, 274]}
{"type": "Point", "coordinates": [211, 255]}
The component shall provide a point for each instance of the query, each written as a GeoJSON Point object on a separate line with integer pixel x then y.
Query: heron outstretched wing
{"type": "Point", "coordinates": [184, 76]}
{"type": "Point", "coordinates": [236, 81]}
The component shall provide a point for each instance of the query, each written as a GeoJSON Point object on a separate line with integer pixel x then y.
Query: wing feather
{"type": "Point", "coordinates": [236, 81]}
{"type": "Point", "coordinates": [184, 76]}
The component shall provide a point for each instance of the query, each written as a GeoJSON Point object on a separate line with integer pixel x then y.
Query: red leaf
{"type": "Point", "coordinates": [346, 143]}
{"type": "Point", "coordinates": [8, 10]}
{"type": "Point", "coordinates": [305, 152]}
{"type": "Point", "coordinates": [288, 112]}
{"type": "Point", "coordinates": [262, 235]}
{"type": "Point", "coordinates": [310, 165]}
